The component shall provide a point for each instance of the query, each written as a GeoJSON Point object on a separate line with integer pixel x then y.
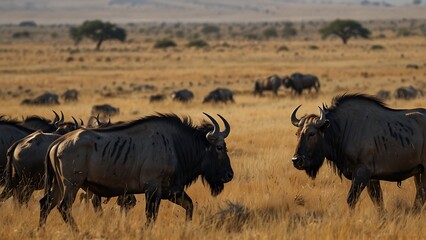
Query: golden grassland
{"type": "Point", "coordinates": [268, 198]}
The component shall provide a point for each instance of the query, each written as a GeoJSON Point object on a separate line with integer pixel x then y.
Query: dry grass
{"type": "Point", "coordinates": [268, 198]}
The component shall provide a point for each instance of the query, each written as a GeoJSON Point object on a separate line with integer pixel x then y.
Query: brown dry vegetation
{"type": "Point", "coordinates": [268, 198]}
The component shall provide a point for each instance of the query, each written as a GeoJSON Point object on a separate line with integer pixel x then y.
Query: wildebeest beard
{"type": "Point", "coordinates": [216, 187]}
{"type": "Point", "coordinates": [315, 164]}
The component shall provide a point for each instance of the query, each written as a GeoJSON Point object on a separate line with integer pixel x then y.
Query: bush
{"type": "Point", "coordinates": [270, 33]}
{"type": "Point", "coordinates": [313, 47]}
{"type": "Point", "coordinates": [377, 47]}
{"type": "Point", "coordinates": [27, 24]}
{"type": "Point", "coordinates": [198, 43]}
{"type": "Point", "coordinates": [252, 36]}
{"type": "Point", "coordinates": [404, 32]}
{"type": "Point", "coordinates": [165, 43]}
{"type": "Point", "coordinates": [210, 29]}
{"type": "Point", "coordinates": [283, 48]}
{"type": "Point", "coordinates": [23, 34]}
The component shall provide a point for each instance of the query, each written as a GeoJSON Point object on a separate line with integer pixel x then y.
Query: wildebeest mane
{"type": "Point", "coordinates": [337, 134]}
{"type": "Point", "coordinates": [37, 118]}
{"type": "Point", "coordinates": [15, 123]}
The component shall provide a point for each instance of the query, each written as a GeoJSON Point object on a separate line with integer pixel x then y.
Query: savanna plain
{"type": "Point", "coordinates": [268, 198]}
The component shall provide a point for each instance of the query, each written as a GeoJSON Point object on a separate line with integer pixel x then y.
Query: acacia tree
{"type": "Point", "coordinates": [97, 31]}
{"type": "Point", "coordinates": [345, 29]}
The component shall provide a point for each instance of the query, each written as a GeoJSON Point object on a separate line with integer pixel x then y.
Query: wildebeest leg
{"type": "Point", "coordinates": [24, 193]}
{"type": "Point", "coordinates": [182, 199]}
{"type": "Point", "coordinates": [97, 203]}
{"type": "Point", "coordinates": [360, 178]}
{"type": "Point", "coordinates": [376, 194]}
{"type": "Point", "coordinates": [420, 180]}
{"type": "Point", "coordinates": [48, 202]}
{"type": "Point", "coordinates": [126, 202]}
{"type": "Point", "coordinates": [66, 205]}
{"type": "Point", "coordinates": [153, 198]}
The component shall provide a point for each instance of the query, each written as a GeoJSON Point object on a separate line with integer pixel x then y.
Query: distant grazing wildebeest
{"type": "Point", "coordinates": [366, 142]}
{"type": "Point", "coordinates": [298, 82]}
{"type": "Point", "coordinates": [105, 111]}
{"type": "Point", "coordinates": [156, 155]}
{"type": "Point", "coordinates": [44, 99]}
{"type": "Point", "coordinates": [157, 98]}
{"type": "Point", "coordinates": [383, 95]}
{"type": "Point", "coordinates": [408, 93]}
{"type": "Point", "coordinates": [219, 95]}
{"type": "Point", "coordinates": [412, 66]}
{"type": "Point", "coordinates": [271, 83]}
{"type": "Point", "coordinates": [70, 95]}
{"type": "Point", "coordinates": [183, 95]}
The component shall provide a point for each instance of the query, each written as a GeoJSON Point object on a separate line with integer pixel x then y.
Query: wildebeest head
{"type": "Point", "coordinates": [286, 82]}
{"type": "Point", "coordinates": [67, 127]}
{"type": "Point", "coordinates": [309, 154]}
{"type": "Point", "coordinates": [216, 165]}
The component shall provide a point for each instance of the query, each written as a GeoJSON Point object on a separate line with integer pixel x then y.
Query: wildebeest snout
{"type": "Point", "coordinates": [297, 161]}
{"type": "Point", "coordinates": [228, 176]}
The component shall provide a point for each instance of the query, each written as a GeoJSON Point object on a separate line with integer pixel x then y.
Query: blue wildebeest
{"type": "Point", "coordinates": [219, 95]}
{"type": "Point", "coordinates": [43, 124]}
{"type": "Point", "coordinates": [298, 82]}
{"type": "Point", "coordinates": [183, 95]}
{"type": "Point", "coordinates": [156, 155]}
{"type": "Point", "coordinates": [271, 83]}
{"type": "Point", "coordinates": [25, 168]}
{"type": "Point", "coordinates": [366, 142]}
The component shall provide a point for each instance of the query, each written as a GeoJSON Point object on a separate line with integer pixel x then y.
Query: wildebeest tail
{"type": "Point", "coordinates": [7, 179]}
{"type": "Point", "coordinates": [52, 179]}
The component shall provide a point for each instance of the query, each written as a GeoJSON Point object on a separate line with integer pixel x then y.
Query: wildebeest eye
{"type": "Point", "coordinates": [219, 148]}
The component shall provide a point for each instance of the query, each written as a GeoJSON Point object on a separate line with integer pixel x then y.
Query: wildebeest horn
{"type": "Point", "coordinates": [212, 135]}
{"type": "Point", "coordinates": [97, 120]}
{"type": "Point", "coordinates": [81, 122]}
{"type": "Point", "coordinates": [75, 122]}
{"type": "Point", "coordinates": [294, 119]}
{"type": "Point", "coordinates": [56, 117]}
{"type": "Point", "coordinates": [321, 120]}
{"type": "Point", "coordinates": [227, 130]}
{"type": "Point", "coordinates": [62, 117]}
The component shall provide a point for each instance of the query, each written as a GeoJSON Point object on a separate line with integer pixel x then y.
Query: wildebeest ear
{"type": "Point", "coordinates": [326, 124]}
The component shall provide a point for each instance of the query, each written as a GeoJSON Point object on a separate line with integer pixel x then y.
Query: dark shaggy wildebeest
{"type": "Point", "coordinates": [157, 98]}
{"type": "Point", "coordinates": [44, 99]}
{"type": "Point", "coordinates": [183, 95]}
{"type": "Point", "coordinates": [43, 124]}
{"type": "Point", "coordinates": [366, 142]}
{"type": "Point", "coordinates": [157, 155]}
{"type": "Point", "coordinates": [298, 82]}
{"type": "Point", "coordinates": [105, 111]}
{"type": "Point", "coordinates": [219, 95]}
{"type": "Point", "coordinates": [70, 95]}
{"type": "Point", "coordinates": [271, 83]}
{"type": "Point", "coordinates": [408, 93]}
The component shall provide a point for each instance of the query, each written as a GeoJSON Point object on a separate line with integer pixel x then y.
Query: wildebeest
{"type": "Point", "coordinates": [11, 131]}
{"type": "Point", "coordinates": [157, 98]}
{"type": "Point", "coordinates": [383, 95]}
{"type": "Point", "coordinates": [271, 83]}
{"type": "Point", "coordinates": [105, 110]}
{"type": "Point", "coordinates": [40, 123]}
{"type": "Point", "coordinates": [44, 99]}
{"type": "Point", "coordinates": [366, 142]}
{"type": "Point", "coordinates": [219, 95]}
{"type": "Point", "coordinates": [156, 155]}
{"type": "Point", "coordinates": [183, 95]}
{"type": "Point", "coordinates": [408, 93]}
{"type": "Point", "coordinates": [70, 95]}
{"type": "Point", "coordinates": [298, 82]}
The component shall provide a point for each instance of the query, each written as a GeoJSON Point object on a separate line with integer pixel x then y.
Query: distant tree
{"type": "Point", "coordinates": [345, 29]}
{"type": "Point", "coordinates": [270, 33]}
{"type": "Point", "coordinates": [198, 43]}
{"type": "Point", "coordinates": [27, 24]}
{"type": "Point", "coordinates": [289, 30]}
{"type": "Point", "coordinates": [23, 34]}
{"type": "Point", "coordinates": [417, 2]}
{"type": "Point", "coordinates": [97, 31]}
{"type": "Point", "coordinates": [210, 29]}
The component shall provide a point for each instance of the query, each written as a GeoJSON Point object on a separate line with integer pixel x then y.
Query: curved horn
{"type": "Point", "coordinates": [81, 122]}
{"type": "Point", "coordinates": [56, 117]}
{"type": "Point", "coordinates": [62, 117]}
{"type": "Point", "coordinates": [321, 120]}
{"type": "Point", "coordinates": [294, 119]}
{"type": "Point", "coordinates": [97, 120]}
{"type": "Point", "coordinates": [227, 130]}
{"type": "Point", "coordinates": [109, 122]}
{"type": "Point", "coordinates": [213, 134]}
{"type": "Point", "coordinates": [75, 122]}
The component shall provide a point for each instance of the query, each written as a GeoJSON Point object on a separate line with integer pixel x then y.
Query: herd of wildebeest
{"type": "Point", "coordinates": [161, 155]}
